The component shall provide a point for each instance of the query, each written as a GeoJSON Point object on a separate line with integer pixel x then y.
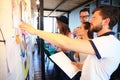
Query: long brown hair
{"type": "Point", "coordinates": [64, 29]}
{"type": "Point", "coordinates": [87, 27]}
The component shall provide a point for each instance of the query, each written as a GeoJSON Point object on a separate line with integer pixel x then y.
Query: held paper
{"type": "Point", "coordinates": [65, 64]}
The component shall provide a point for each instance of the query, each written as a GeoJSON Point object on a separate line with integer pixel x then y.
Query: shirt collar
{"type": "Point", "coordinates": [107, 33]}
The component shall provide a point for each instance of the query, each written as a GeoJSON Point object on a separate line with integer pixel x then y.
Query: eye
{"type": "Point", "coordinates": [93, 17]}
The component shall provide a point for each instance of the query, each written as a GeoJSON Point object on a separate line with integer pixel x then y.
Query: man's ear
{"type": "Point", "coordinates": [107, 21]}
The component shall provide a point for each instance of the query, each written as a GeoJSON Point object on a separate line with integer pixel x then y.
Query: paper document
{"type": "Point", "coordinates": [65, 64]}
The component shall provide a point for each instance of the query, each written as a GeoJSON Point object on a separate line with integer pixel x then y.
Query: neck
{"type": "Point", "coordinates": [103, 31]}
{"type": "Point", "coordinates": [85, 37]}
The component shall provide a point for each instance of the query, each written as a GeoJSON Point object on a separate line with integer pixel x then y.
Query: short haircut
{"type": "Point", "coordinates": [84, 10]}
{"type": "Point", "coordinates": [111, 12]}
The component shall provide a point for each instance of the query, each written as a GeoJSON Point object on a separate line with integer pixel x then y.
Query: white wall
{"type": "Point", "coordinates": [74, 20]}
{"type": "Point", "coordinates": [6, 26]}
{"type": "Point", "coordinates": [10, 55]}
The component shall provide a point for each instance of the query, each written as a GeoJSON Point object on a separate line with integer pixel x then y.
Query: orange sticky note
{"type": "Point", "coordinates": [17, 39]}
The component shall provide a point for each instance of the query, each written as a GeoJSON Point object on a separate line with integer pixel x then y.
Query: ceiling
{"type": "Point", "coordinates": [53, 8]}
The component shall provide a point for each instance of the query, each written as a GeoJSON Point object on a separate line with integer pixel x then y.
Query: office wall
{"type": "Point", "coordinates": [6, 27]}
{"type": "Point", "coordinates": [74, 20]}
{"type": "Point", "coordinates": [11, 67]}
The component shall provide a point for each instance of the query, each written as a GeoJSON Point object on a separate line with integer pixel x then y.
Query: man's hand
{"type": "Point", "coordinates": [27, 27]}
{"type": "Point", "coordinates": [77, 65]}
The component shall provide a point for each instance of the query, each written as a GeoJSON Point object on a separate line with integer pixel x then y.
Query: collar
{"type": "Point", "coordinates": [107, 33]}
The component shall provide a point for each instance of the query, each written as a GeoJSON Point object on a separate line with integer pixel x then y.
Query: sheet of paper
{"type": "Point", "coordinates": [2, 61]}
{"type": "Point", "coordinates": [65, 64]}
{"type": "Point", "coordinates": [12, 52]}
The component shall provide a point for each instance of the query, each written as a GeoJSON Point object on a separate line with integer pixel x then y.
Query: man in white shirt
{"type": "Point", "coordinates": [104, 53]}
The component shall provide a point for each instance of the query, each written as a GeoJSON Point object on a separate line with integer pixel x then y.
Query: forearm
{"type": "Point", "coordinates": [56, 39]}
{"type": "Point", "coordinates": [65, 42]}
{"type": "Point", "coordinates": [60, 40]}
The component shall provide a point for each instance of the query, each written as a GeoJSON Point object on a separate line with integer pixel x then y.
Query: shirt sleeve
{"type": "Point", "coordinates": [104, 46]}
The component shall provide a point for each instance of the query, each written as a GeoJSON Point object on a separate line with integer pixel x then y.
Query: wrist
{"type": "Point", "coordinates": [36, 32]}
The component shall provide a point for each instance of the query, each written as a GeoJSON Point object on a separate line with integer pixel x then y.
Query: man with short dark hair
{"type": "Point", "coordinates": [84, 15]}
